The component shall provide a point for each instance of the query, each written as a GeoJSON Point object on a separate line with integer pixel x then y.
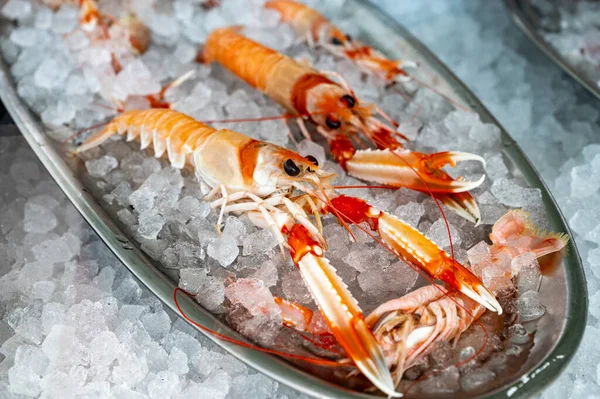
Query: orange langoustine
{"type": "Point", "coordinates": [262, 180]}
{"type": "Point", "coordinates": [318, 30]}
{"type": "Point", "coordinates": [408, 328]}
{"type": "Point", "coordinates": [341, 118]}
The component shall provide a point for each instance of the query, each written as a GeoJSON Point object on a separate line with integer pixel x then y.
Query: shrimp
{"type": "Point", "coordinates": [260, 179]}
{"type": "Point", "coordinates": [409, 328]}
{"type": "Point", "coordinates": [407, 339]}
{"type": "Point", "coordinates": [99, 27]}
{"type": "Point", "coordinates": [341, 117]}
{"type": "Point", "coordinates": [309, 23]}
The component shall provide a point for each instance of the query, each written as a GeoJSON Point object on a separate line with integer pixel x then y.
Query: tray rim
{"type": "Point", "coordinates": [515, 10]}
{"type": "Point", "coordinates": [546, 370]}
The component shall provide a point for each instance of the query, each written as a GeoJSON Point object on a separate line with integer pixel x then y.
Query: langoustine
{"type": "Point", "coordinates": [341, 118]}
{"type": "Point", "coordinates": [318, 30]}
{"type": "Point", "coordinates": [260, 179]}
{"type": "Point", "coordinates": [410, 328]}
{"type": "Point", "coordinates": [101, 27]}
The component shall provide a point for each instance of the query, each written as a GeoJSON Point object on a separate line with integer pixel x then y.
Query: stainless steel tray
{"type": "Point", "coordinates": [526, 18]}
{"type": "Point", "coordinates": [563, 290]}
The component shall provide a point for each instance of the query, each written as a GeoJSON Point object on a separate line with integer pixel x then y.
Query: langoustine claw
{"type": "Point", "coordinates": [444, 316]}
{"type": "Point", "coordinates": [416, 249]}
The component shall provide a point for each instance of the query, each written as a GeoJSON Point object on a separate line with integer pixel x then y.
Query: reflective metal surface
{"type": "Point", "coordinates": [528, 20]}
{"type": "Point", "coordinates": [563, 290]}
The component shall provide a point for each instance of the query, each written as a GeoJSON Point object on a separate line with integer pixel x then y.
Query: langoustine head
{"type": "Point", "coordinates": [337, 110]}
{"type": "Point", "coordinates": [283, 169]}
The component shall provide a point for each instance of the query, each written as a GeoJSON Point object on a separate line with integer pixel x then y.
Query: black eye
{"type": "Point", "coordinates": [336, 41]}
{"type": "Point", "coordinates": [312, 159]}
{"type": "Point", "coordinates": [349, 38]}
{"type": "Point", "coordinates": [348, 100]}
{"type": "Point", "coordinates": [332, 124]}
{"type": "Point", "coordinates": [291, 168]}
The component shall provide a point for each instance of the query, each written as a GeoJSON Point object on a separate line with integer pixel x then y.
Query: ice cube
{"type": "Point", "coordinates": [101, 166]}
{"type": "Point", "coordinates": [129, 370]}
{"type": "Point", "coordinates": [120, 194]}
{"type": "Point", "coordinates": [52, 73]}
{"type": "Point", "coordinates": [398, 278]}
{"type": "Point", "coordinates": [438, 233]}
{"type": "Point", "coordinates": [216, 386]}
{"type": "Point", "coordinates": [62, 346]}
{"type": "Point", "coordinates": [254, 296]}
{"type": "Point", "coordinates": [495, 167]}
{"type": "Point", "coordinates": [65, 19]}
{"type": "Point", "coordinates": [224, 250]}
{"type": "Point", "coordinates": [29, 171]}
{"type": "Point", "coordinates": [38, 219]}
{"type": "Point", "coordinates": [183, 255]}
{"type": "Point", "coordinates": [52, 314]}
{"type": "Point", "coordinates": [518, 334]}
{"type": "Point", "coordinates": [511, 194]}
{"type": "Point", "coordinates": [43, 18]}
{"type": "Point", "coordinates": [26, 322]}
{"type": "Point", "coordinates": [128, 291]}
{"type": "Point", "coordinates": [268, 271]}
{"type": "Point", "coordinates": [104, 348]}
{"type": "Point", "coordinates": [258, 242]}
{"type": "Point", "coordinates": [294, 288]}
{"type": "Point", "coordinates": [163, 385]}
{"type": "Point", "coordinates": [410, 213]}
{"type": "Point", "coordinates": [191, 207]}
{"type": "Point", "coordinates": [178, 362]}
{"type": "Point", "coordinates": [530, 306]}
{"type": "Point", "coordinates": [58, 113]}
{"type": "Point", "coordinates": [25, 37]}
{"type": "Point", "coordinates": [185, 52]}
{"type": "Point", "coordinates": [17, 9]}
{"type": "Point", "coordinates": [594, 305]}
{"type": "Point", "coordinates": [365, 259]}
{"type": "Point", "coordinates": [43, 290]}
{"type": "Point", "coordinates": [150, 224]}
{"type": "Point", "coordinates": [445, 382]}
{"type": "Point", "coordinates": [22, 380]}
{"type": "Point", "coordinates": [157, 324]}
{"type": "Point", "coordinates": [135, 79]}
{"type": "Point", "coordinates": [236, 229]}
{"type": "Point", "coordinates": [527, 269]}
{"type": "Point", "coordinates": [256, 386]}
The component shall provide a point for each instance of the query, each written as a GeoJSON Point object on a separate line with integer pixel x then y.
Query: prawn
{"type": "Point", "coordinates": [409, 328]}
{"type": "Point", "coordinates": [260, 179]}
{"type": "Point", "coordinates": [318, 30]}
{"type": "Point", "coordinates": [340, 117]}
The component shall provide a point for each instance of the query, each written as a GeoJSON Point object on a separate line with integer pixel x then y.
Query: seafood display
{"type": "Point", "coordinates": [259, 179]}
{"type": "Point", "coordinates": [408, 328]}
{"type": "Point", "coordinates": [261, 195]}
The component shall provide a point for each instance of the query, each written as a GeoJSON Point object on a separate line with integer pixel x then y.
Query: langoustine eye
{"type": "Point", "coordinates": [332, 124]}
{"type": "Point", "coordinates": [348, 100]}
{"type": "Point", "coordinates": [291, 168]}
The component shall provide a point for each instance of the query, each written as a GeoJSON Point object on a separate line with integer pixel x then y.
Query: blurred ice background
{"type": "Point", "coordinates": [554, 120]}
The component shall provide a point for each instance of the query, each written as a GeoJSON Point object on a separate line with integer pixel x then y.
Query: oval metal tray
{"type": "Point", "coordinates": [526, 18]}
{"type": "Point", "coordinates": [563, 290]}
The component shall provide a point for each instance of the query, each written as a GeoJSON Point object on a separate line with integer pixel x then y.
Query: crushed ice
{"type": "Point", "coordinates": [162, 207]}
